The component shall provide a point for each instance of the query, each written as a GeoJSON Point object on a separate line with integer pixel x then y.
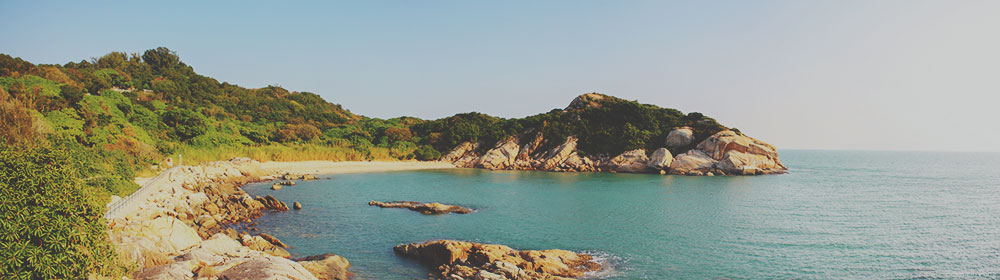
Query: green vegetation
{"type": "Point", "coordinates": [73, 135]}
{"type": "Point", "coordinates": [614, 127]}
{"type": "Point", "coordinates": [50, 221]}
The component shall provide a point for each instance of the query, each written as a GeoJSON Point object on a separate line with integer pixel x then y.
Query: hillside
{"type": "Point", "coordinates": [75, 134]}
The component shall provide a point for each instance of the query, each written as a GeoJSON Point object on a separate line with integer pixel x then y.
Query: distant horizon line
{"type": "Point", "coordinates": [885, 150]}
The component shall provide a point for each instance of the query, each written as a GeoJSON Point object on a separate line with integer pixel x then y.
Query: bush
{"type": "Point", "coordinates": [187, 124]}
{"type": "Point", "coordinates": [426, 152]}
{"type": "Point", "coordinates": [50, 223]}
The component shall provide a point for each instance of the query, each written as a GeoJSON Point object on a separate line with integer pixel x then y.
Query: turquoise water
{"type": "Point", "coordinates": [837, 215]}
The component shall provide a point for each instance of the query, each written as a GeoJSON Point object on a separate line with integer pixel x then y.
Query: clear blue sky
{"type": "Point", "coordinates": [898, 75]}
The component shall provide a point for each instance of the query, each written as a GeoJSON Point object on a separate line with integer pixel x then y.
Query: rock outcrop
{"type": "Point", "coordinates": [590, 100]}
{"type": "Point", "coordinates": [724, 153]}
{"type": "Point", "coordinates": [729, 153]}
{"type": "Point", "coordinates": [327, 266]}
{"type": "Point", "coordinates": [181, 226]}
{"type": "Point", "coordinates": [466, 260]}
{"type": "Point", "coordinates": [433, 208]}
{"type": "Point", "coordinates": [503, 156]}
{"type": "Point", "coordinates": [739, 154]}
{"type": "Point", "coordinates": [634, 161]}
{"type": "Point", "coordinates": [693, 162]}
{"type": "Point", "coordinates": [464, 155]}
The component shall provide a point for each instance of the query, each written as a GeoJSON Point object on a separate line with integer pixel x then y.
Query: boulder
{"type": "Point", "coordinates": [738, 153]}
{"type": "Point", "coordinates": [260, 244]}
{"type": "Point", "coordinates": [465, 260]}
{"type": "Point", "coordinates": [326, 266]}
{"type": "Point", "coordinates": [679, 137]}
{"type": "Point", "coordinates": [172, 232]}
{"type": "Point", "coordinates": [297, 206]}
{"type": "Point", "coordinates": [660, 159]}
{"type": "Point", "coordinates": [177, 270]}
{"type": "Point", "coordinates": [267, 268]}
{"type": "Point", "coordinates": [503, 156]}
{"type": "Point", "coordinates": [634, 161]}
{"type": "Point", "coordinates": [692, 161]}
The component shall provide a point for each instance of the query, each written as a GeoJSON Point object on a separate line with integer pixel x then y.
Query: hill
{"type": "Point", "coordinates": [77, 133]}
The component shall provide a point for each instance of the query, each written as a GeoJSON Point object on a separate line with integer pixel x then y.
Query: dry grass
{"type": "Point", "coordinates": [193, 155]}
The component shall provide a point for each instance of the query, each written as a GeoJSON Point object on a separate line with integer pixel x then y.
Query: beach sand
{"type": "Point", "coordinates": [340, 167]}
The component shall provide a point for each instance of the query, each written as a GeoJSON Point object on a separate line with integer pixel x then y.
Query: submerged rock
{"type": "Point", "coordinates": [466, 260]}
{"type": "Point", "coordinates": [270, 202]}
{"type": "Point", "coordinates": [424, 208]}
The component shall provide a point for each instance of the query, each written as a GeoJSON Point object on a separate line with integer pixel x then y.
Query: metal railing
{"type": "Point", "coordinates": [117, 209]}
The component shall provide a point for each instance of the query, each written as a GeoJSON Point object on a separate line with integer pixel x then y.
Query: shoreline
{"type": "Point", "coordinates": [183, 222]}
{"type": "Point", "coordinates": [320, 167]}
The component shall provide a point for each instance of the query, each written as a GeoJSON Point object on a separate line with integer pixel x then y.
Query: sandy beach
{"type": "Point", "coordinates": [340, 167]}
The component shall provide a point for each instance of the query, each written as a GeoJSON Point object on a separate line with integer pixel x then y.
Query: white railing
{"type": "Point", "coordinates": [123, 206]}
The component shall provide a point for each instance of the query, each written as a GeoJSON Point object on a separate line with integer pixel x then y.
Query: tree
{"type": "Point", "coordinates": [187, 124]}
{"type": "Point", "coordinates": [161, 58]}
{"type": "Point", "coordinates": [114, 60]}
{"type": "Point", "coordinates": [398, 134]}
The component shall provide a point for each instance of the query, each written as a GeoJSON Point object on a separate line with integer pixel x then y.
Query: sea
{"type": "Point", "coordinates": [835, 215]}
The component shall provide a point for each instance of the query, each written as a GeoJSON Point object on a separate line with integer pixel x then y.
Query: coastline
{"type": "Point", "coordinates": [344, 167]}
{"type": "Point", "coordinates": [196, 222]}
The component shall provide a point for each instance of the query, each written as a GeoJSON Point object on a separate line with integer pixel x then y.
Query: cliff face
{"type": "Point", "coordinates": [726, 152]}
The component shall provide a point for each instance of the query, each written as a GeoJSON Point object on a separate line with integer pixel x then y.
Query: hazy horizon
{"type": "Point", "coordinates": [850, 75]}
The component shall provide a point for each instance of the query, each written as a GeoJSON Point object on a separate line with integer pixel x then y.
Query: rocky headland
{"type": "Point", "coordinates": [195, 222]}
{"type": "Point", "coordinates": [466, 260]}
{"type": "Point", "coordinates": [726, 152]}
{"type": "Point", "coordinates": [432, 208]}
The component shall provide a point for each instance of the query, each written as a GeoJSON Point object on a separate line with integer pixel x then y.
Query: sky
{"type": "Point", "coordinates": [870, 75]}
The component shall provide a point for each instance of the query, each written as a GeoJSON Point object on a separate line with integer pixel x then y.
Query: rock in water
{"type": "Point", "coordinates": [680, 137]}
{"type": "Point", "coordinates": [467, 260]}
{"type": "Point", "coordinates": [297, 205]}
{"type": "Point", "coordinates": [276, 187]}
{"type": "Point", "coordinates": [272, 203]}
{"type": "Point", "coordinates": [423, 208]}
{"type": "Point", "coordinates": [739, 154]}
{"type": "Point", "coordinates": [273, 240]}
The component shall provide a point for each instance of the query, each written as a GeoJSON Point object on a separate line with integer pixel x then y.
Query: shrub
{"type": "Point", "coordinates": [50, 224]}
{"type": "Point", "coordinates": [426, 152]}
